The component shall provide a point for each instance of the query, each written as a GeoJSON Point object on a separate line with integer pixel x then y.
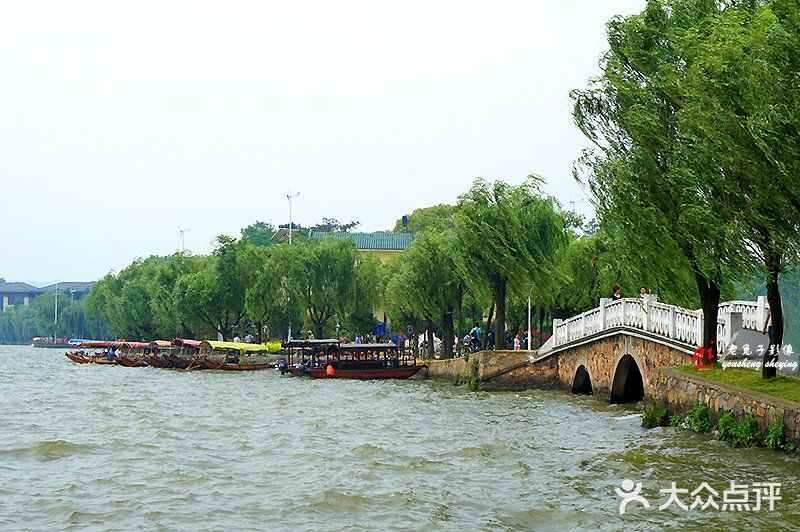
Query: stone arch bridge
{"type": "Point", "coordinates": [614, 350]}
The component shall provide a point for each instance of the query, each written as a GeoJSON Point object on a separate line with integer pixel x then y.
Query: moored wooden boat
{"type": "Point", "coordinates": [79, 358]}
{"type": "Point", "coordinates": [186, 354]}
{"type": "Point", "coordinates": [366, 374]}
{"type": "Point", "coordinates": [233, 356]}
{"type": "Point", "coordinates": [330, 359]}
{"type": "Point", "coordinates": [131, 354]}
{"type": "Point", "coordinates": [102, 352]}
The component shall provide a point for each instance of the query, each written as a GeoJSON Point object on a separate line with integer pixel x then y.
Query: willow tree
{"type": "Point", "coordinates": [214, 295]}
{"type": "Point", "coordinates": [508, 237]}
{"type": "Point", "coordinates": [648, 180]}
{"type": "Point", "coordinates": [328, 282]}
{"type": "Point", "coordinates": [369, 292]}
{"type": "Point", "coordinates": [275, 296]}
{"type": "Point", "coordinates": [428, 285]}
{"type": "Point", "coordinates": [743, 110]}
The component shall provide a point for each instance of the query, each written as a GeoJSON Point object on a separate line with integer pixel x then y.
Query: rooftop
{"type": "Point", "coordinates": [371, 241]}
{"type": "Point", "coordinates": [66, 286]}
{"type": "Point", "coordinates": [18, 288]}
{"type": "Point", "coordinates": [25, 288]}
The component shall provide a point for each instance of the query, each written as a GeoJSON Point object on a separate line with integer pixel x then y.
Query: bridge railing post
{"type": "Point", "coordinates": [603, 302]}
{"type": "Point", "coordinates": [699, 314]}
{"type": "Point", "coordinates": [673, 333]}
{"type": "Point", "coordinates": [761, 311]}
{"type": "Point", "coordinates": [556, 338]}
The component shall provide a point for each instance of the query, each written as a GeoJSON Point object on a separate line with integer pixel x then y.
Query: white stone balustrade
{"type": "Point", "coordinates": [668, 321]}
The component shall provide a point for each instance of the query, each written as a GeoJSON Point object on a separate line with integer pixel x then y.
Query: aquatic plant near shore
{"type": "Point", "coordinates": [655, 416]}
{"type": "Point", "coordinates": [697, 417]}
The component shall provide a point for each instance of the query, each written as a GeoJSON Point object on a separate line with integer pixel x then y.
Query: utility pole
{"type": "Point", "coordinates": [55, 313]}
{"type": "Point", "coordinates": [183, 232]}
{"type": "Point", "coordinates": [289, 197]}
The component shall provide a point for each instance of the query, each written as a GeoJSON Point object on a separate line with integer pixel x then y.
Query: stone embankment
{"type": "Point", "coordinates": [679, 391]}
{"type": "Point", "coordinates": [495, 370]}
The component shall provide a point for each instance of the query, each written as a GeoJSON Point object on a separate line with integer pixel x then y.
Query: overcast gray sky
{"type": "Point", "coordinates": [122, 121]}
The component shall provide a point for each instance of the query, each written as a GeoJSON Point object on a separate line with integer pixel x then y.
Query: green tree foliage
{"type": "Point", "coordinates": [650, 183]}
{"type": "Point", "coordinates": [332, 224]}
{"type": "Point", "coordinates": [259, 233]}
{"type": "Point", "coordinates": [509, 237]}
{"type": "Point", "coordinates": [214, 295]}
{"type": "Point", "coordinates": [437, 217]}
{"type": "Point", "coordinates": [428, 283]}
{"type": "Point", "coordinates": [275, 297]}
{"type": "Point", "coordinates": [19, 324]}
{"type": "Point", "coordinates": [370, 293]}
{"type": "Point", "coordinates": [328, 281]}
{"type": "Point", "coordinates": [742, 111]}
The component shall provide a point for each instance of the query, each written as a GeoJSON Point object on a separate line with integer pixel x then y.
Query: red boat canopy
{"type": "Point", "coordinates": [98, 344]}
{"type": "Point", "coordinates": [181, 342]}
{"type": "Point", "coordinates": [135, 345]}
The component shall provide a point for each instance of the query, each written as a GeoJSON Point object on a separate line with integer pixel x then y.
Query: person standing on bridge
{"type": "Point", "coordinates": [616, 292]}
{"type": "Point", "coordinates": [642, 292]}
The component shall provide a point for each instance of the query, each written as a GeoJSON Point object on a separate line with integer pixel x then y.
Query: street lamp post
{"type": "Point", "coordinates": [289, 197]}
{"type": "Point", "coordinates": [530, 333]}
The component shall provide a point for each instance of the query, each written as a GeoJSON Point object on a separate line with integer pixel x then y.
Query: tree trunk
{"type": "Point", "coordinates": [541, 324]}
{"type": "Point", "coordinates": [488, 326]}
{"type": "Point", "coordinates": [414, 342]}
{"type": "Point", "coordinates": [773, 264]}
{"type": "Point", "coordinates": [709, 302]}
{"type": "Point", "coordinates": [499, 296]}
{"type": "Point", "coordinates": [447, 332]}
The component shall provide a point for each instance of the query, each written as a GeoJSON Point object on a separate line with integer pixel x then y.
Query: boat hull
{"type": "Point", "coordinates": [364, 374]}
{"type": "Point", "coordinates": [79, 359]}
{"type": "Point", "coordinates": [209, 364]}
{"type": "Point", "coordinates": [130, 362]}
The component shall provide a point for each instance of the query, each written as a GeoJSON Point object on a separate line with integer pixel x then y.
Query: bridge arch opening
{"type": "Point", "coordinates": [582, 384]}
{"type": "Point", "coordinates": [628, 385]}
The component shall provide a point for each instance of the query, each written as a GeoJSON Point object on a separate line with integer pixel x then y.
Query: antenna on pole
{"type": "Point", "coordinates": [289, 197]}
{"type": "Point", "coordinates": [183, 232]}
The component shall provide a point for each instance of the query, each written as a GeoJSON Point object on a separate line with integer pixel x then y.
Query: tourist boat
{"type": "Point", "coordinates": [158, 355]}
{"type": "Point", "coordinates": [234, 356]}
{"type": "Point", "coordinates": [350, 361]}
{"type": "Point", "coordinates": [95, 352]}
{"type": "Point", "coordinates": [185, 354]}
{"type": "Point", "coordinates": [132, 354]}
{"type": "Point", "coordinates": [48, 342]}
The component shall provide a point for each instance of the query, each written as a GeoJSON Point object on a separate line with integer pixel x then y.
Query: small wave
{"type": "Point", "coordinates": [629, 416]}
{"type": "Point", "coordinates": [48, 450]}
{"type": "Point", "coordinates": [368, 451]}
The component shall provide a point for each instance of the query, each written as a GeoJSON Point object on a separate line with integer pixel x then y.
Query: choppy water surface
{"type": "Point", "coordinates": [85, 446]}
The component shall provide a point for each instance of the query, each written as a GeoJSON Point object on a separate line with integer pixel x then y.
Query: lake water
{"type": "Point", "coordinates": [99, 447]}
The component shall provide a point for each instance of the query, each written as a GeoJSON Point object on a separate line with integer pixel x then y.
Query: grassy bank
{"type": "Point", "coordinates": [780, 386]}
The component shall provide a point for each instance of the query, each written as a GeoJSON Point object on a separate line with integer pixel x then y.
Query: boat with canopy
{"type": "Point", "coordinates": [234, 356]}
{"type": "Point", "coordinates": [332, 359]}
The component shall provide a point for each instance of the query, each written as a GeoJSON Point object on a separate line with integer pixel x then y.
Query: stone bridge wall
{"type": "Point", "coordinates": [512, 370]}
{"type": "Point", "coordinates": [602, 356]}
